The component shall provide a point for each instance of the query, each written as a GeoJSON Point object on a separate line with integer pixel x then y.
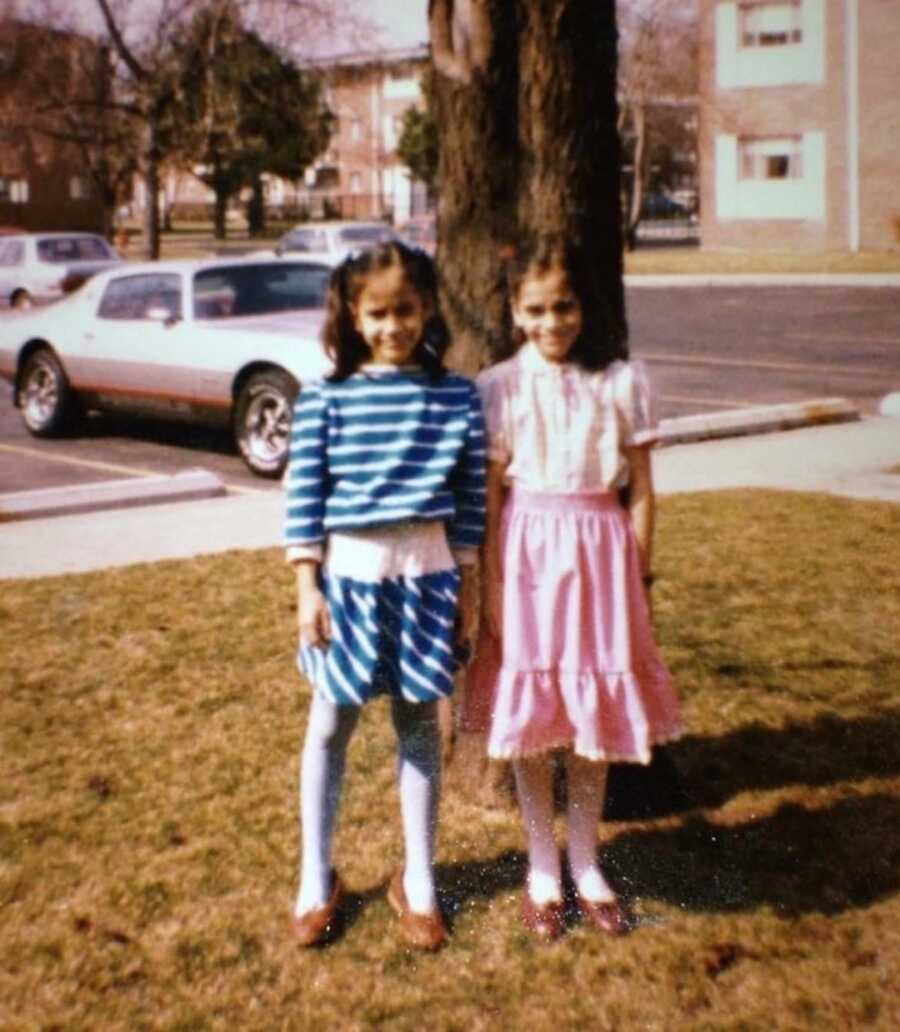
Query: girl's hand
{"type": "Point", "coordinates": [313, 619]}
{"type": "Point", "coordinates": [492, 605]}
{"type": "Point", "coordinates": [467, 609]}
{"type": "Point", "coordinates": [313, 615]}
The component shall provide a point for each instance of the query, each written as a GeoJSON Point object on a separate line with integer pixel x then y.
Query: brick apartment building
{"type": "Point", "coordinates": [44, 184]}
{"type": "Point", "coordinates": [360, 175]}
{"type": "Point", "coordinates": [799, 137]}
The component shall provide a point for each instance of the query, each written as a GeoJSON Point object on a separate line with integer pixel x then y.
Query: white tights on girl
{"type": "Point", "coordinates": [328, 734]}
{"type": "Point", "coordinates": [586, 790]}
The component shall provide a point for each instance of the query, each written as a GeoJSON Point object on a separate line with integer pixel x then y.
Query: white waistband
{"type": "Point", "coordinates": [397, 550]}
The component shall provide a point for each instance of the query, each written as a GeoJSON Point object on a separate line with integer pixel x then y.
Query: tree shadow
{"type": "Point", "coordinates": [703, 772]}
{"type": "Point", "coordinates": [797, 860]}
{"type": "Point", "coordinates": [479, 880]}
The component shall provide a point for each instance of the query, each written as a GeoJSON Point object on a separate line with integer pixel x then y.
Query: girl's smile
{"type": "Point", "coordinates": [548, 314]}
{"type": "Point", "coordinates": [390, 315]}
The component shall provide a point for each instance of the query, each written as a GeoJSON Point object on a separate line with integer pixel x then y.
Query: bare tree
{"type": "Point", "coordinates": [526, 107]}
{"type": "Point", "coordinates": [658, 69]}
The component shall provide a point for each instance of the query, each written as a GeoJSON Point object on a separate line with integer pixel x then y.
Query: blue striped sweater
{"type": "Point", "coordinates": [386, 446]}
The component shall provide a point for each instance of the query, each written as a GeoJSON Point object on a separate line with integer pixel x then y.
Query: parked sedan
{"type": "Point", "coordinates": [40, 267]}
{"type": "Point", "coordinates": [331, 242]}
{"type": "Point", "coordinates": [227, 342]}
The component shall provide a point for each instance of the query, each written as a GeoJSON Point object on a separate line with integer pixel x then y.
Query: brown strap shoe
{"type": "Point", "coordinates": [313, 926]}
{"type": "Point", "coordinates": [609, 917]}
{"type": "Point", "coordinates": [424, 931]}
{"type": "Point", "coordinates": [545, 920]}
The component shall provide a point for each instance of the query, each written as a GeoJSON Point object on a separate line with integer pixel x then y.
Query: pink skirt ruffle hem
{"type": "Point", "coordinates": [578, 666]}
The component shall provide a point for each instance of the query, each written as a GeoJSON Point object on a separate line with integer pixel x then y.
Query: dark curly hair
{"type": "Point", "coordinates": [597, 344]}
{"type": "Point", "coordinates": [343, 342]}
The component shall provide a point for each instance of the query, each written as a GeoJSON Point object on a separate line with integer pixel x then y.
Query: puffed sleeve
{"type": "Point", "coordinates": [305, 481]}
{"type": "Point", "coordinates": [495, 402]}
{"type": "Point", "coordinates": [635, 402]}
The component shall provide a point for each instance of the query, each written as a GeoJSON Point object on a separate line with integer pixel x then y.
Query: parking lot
{"type": "Point", "coordinates": [708, 349]}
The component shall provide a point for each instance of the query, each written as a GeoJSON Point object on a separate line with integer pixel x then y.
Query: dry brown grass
{"type": "Point", "coordinates": [151, 720]}
{"type": "Point", "coordinates": [697, 261]}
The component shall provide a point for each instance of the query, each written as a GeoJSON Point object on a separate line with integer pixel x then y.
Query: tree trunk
{"type": "Point", "coordinates": [220, 211]}
{"type": "Point", "coordinates": [639, 120]}
{"type": "Point", "coordinates": [256, 208]}
{"type": "Point", "coordinates": [150, 175]}
{"type": "Point", "coordinates": [528, 146]}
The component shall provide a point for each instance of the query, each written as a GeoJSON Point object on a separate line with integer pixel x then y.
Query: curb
{"type": "Point", "coordinates": [188, 485]}
{"type": "Point", "coordinates": [850, 279]}
{"type": "Point", "coordinates": [759, 420]}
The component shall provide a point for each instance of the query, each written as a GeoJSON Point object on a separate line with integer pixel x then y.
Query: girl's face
{"type": "Point", "coordinates": [390, 315]}
{"type": "Point", "coordinates": [548, 314]}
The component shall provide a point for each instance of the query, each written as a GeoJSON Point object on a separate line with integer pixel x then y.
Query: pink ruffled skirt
{"type": "Point", "coordinates": [578, 666]}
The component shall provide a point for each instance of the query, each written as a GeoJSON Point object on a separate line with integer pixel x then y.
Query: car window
{"type": "Point", "coordinates": [259, 289]}
{"type": "Point", "coordinates": [134, 297]}
{"type": "Point", "coordinates": [73, 249]}
{"type": "Point", "coordinates": [11, 252]}
{"type": "Point", "coordinates": [305, 240]}
{"type": "Point", "coordinates": [362, 235]}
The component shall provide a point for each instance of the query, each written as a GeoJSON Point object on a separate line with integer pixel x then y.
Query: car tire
{"type": "Point", "coordinates": [48, 404]}
{"type": "Point", "coordinates": [262, 421]}
{"type": "Point", "coordinates": [21, 300]}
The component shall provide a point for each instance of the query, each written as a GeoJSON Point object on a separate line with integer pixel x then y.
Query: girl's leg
{"type": "Point", "coordinates": [322, 771]}
{"type": "Point", "coordinates": [534, 782]}
{"type": "Point", "coordinates": [586, 789]}
{"type": "Point", "coordinates": [419, 773]}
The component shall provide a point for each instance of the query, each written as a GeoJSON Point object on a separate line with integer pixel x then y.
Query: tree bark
{"type": "Point", "coordinates": [150, 175]}
{"type": "Point", "coordinates": [529, 146]}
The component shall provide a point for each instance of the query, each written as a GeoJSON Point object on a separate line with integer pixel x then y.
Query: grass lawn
{"type": "Point", "coordinates": [695, 261]}
{"type": "Point", "coordinates": [150, 721]}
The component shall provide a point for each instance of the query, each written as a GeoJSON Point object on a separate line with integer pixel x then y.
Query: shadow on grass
{"type": "Point", "coordinates": [480, 879]}
{"type": "Point", "coordinates": [700, 772]}
{"type": "Point", "coordinates": [797, 860]}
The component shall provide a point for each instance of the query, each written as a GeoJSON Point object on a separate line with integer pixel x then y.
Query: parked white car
{"type": "Point", "coordinates": [41, 267]}
{"type": "Point", "coordinates": [331, 242]}
{"type": "Point", "coordinates": [227, 341]}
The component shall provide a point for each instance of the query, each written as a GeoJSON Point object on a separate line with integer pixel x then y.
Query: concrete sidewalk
{"type": "Point", "coordinates": [849, 459]}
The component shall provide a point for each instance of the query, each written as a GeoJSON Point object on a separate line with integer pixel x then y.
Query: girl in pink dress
{"type": "Point", "coordinates": [567, 660]}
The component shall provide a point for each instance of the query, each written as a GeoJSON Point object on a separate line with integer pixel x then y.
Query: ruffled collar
{"type": "Point", "coordinates": [530, 358]}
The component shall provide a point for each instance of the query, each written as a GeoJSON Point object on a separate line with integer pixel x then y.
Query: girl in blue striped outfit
{"type": "Point", "coordinates": [385, 514]}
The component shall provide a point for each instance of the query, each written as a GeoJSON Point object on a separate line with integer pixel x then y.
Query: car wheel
{"type": "Point", "coordinates": [21, 300]}
{"type": "Point", "coordinates": [262, 421]}
{"type": "Point", "coordinates": [45, 397]}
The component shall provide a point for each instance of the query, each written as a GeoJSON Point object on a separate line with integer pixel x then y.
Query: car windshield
{"type": "Point", "coordinates": [237, 290]}
{"type": "Point", "coordinates": [74, 249]}
{"type": "Point", "coordinates": [364, 234]}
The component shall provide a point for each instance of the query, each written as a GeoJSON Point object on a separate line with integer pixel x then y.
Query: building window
{"type": "Point", "coordinates": [771, 157]}
{"type": "Point", "coordinates": [355, 182]}
{"type": "Point", "coordinates": [771, 24]}
{"type": "Point", "coordinates": [14, 190]}
{"type": "Point", "coordinates": [356, 131]}
{"type": "Point", "coordinates": [77, 188]}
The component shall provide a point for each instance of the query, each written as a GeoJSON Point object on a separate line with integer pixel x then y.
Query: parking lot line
{"type": "Point", "coordinates": [741, 363]}
{"type": "Point", "coordinates": [106, 467]}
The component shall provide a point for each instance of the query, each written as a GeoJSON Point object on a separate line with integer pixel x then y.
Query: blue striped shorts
{"type": "Point", "coordinates": [392, 594]}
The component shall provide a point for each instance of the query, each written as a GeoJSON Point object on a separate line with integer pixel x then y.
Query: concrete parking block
{"type": "Point", "coordinates": [189, 485]}
{"type": "Point", "coordinates": [756, 420]}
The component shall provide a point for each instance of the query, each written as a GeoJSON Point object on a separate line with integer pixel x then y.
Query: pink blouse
{"type": "Point", "coordinates": [561, 428]}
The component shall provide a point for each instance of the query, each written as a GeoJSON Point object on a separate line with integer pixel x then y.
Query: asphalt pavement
{"type": "Point", "coordinates": [852, 458]}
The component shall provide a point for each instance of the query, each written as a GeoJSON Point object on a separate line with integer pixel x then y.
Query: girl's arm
{"type": "Point", "coordinates": [491, 565]}
{"type": "Point", "coordinates": [313, 616]}
{"type": "Point", "coordinates": [642, 503]}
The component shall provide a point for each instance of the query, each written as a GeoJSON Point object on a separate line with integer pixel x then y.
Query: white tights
{"type": "Point", "coordinates": [586, 790]}
{"type": "Point", "coordinates": [328, 734]}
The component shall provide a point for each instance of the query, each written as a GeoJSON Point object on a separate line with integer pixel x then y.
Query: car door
{"type": "Point", "coordinates": [139, 343]}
